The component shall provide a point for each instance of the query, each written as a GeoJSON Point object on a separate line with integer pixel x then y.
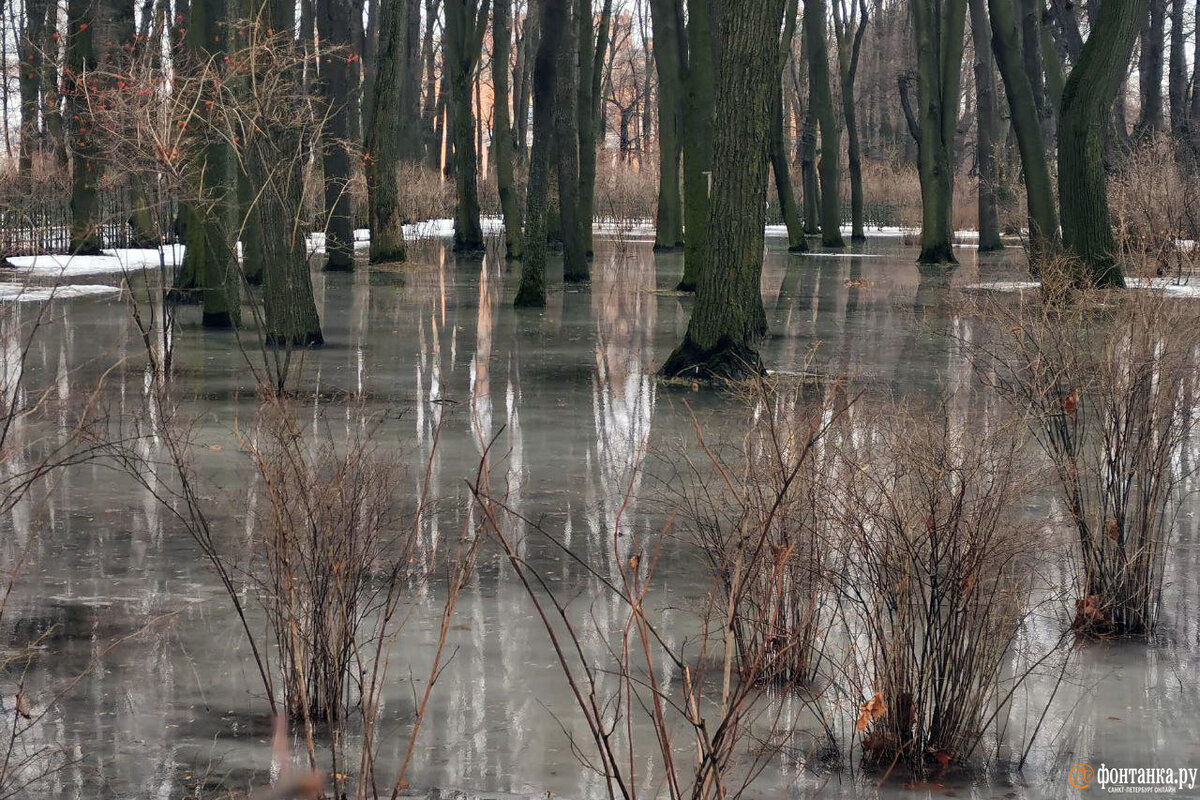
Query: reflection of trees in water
{"type": "Point", "coordinates": [624, 310]}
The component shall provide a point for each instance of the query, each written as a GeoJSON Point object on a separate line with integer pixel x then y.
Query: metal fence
{"type": "Point", "coordinates": [36, 225]}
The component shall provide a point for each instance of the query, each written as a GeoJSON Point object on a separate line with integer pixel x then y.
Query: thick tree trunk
{"type": "Point", "coordinates": [939, 30]}
{"type": "Point", "coordinates": [1087, 106]}
{"type": "Point", "coordinates": [276, 158]}
{"type": "Point", "coordinates": [506, 181]}
{"type": "Point", "coordinates": [668, 61]}
{"type": "Point", "coordinates": [728, 318]}
{"type": "Point", "coordinates": [1039, 190]}
{"type": "Point", "coordinates": [532, 290]}
{"type": "Point", "coordinates": [384, 142]}
{"type": "Point", "coordinates": [336, 91]}
{"type": "Point", "coordinates": [821, 100]}
{"type": "Point", "coordinates": [699, 85]}
{"type": "Point", "coordinates": [465, 24]}
{"type": "Point", "coordinates": [987, 118]}
{"type": "Point", "coordinates": [566, 134]}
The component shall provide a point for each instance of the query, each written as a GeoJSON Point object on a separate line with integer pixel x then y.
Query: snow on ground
{"type": "Point", "coordinates": [113, 261]}
{"type": "Point", "coordinates": [1166, 285]}
{"type": "Point", "coordinates": [20, 293]}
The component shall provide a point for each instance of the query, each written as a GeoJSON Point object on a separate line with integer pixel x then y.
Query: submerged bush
{"type": "Point", "coordinates": [935, 581]}
{"type": "Point", "coordinates": [1106, 384]}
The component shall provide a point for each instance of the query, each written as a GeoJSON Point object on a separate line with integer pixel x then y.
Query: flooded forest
{"type": "Point", "coordinates": [599, 399]}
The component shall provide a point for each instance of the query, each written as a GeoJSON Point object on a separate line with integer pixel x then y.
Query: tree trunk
{"type": "Point", "coordinates": [29, 79]}
{"type": "Point", "coordinates": [939, 30]}
{"type": "Point", "coordinates": [1039, 190]}
{"type": "Point", "coordinates": [1087, 105]}
{"type": "Point", "coordinates": [1177, 77]}
{"type": "Point", "coordinates": [821, 101]}
{"type": "Point", "coordinates": [506, 181]}
{"type": "Point", "coordinates": [87, 164]}
{"type": "Point", "coordinates": [210, 230]}
{"type": "Point", "coordinates": [276, 159]}
{"type": "Point", "coordinates": [336, 91]}
{"type": "Point", "coordinates": [593, 43]}
{"type": "Point", "coordinates": [779, 160]}
{"type": "Point", "coordinates": [728, 319]}
{"type": "Point", "coordinates": [1031, 53]}
{"type": "Point", "coordinates": [465, 24]}
{"type": "Point", "coordinates": [384, 143]}
{"type": "Point", "coordinates": [532, 290]}
{"type": "Point", "coordinates": [668, 60]}
{"type": "Point", "coordinates": [1150, 70]}
{"type": "Point", "coordinates": [566, 134]}
{"type": "Point", "coordinates": [987, 118]}
{"type": "Point", "coordinates": [51, 100]}
{"type": "Point", "coordinates": [850, 39]}
{"type": "Point", "coordinates": [699, 85]}
{"type": "Point", "coordinates": [808, 171]}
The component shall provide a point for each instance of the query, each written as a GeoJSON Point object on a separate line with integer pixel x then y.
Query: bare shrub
{"type": "Point", "coordinates": [712, 730]}
{"type": "Point", "coordinates": [625, 194]}
{"type": "Point", "coordinates": [756, 510]}
{"type": "Point", "coordinates": [1154, 206]}
{"type": "Point", "coordinates": [424, 194]}
{"type": "Point", "coordinates": [1106, 383]}
{"type": "Point", "coordinates": [934, 571]}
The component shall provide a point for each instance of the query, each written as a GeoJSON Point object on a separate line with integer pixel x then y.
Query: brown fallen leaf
{"type": "Point", "coordinates": [870, 711]}
{"type": "Point", "coordinates": [23, 706]}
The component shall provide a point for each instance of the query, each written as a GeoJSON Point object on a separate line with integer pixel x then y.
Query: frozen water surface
{"type": "Point", "coordinates": [168, 701]}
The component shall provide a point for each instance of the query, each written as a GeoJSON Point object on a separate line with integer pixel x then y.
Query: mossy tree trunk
{"type": "Point", "coordinates": [699, 85]}
{"type": "Point", "coordinates": [1039, 189]}
{"type": "Point", "coordinates": [593, 43]}
{"type": "Point", "coordinates": [335, 88]}
{"type": "Point", "coordinates": [466, 23]}
{"type": "Point", "coordinates": [667, 16]}
{"type": "Point", "coordinates": [532, 290]}
{"type": "Point", "coordinates": [779, 160]}
{"type": "Point", "coordinates": [506, 181]}
{"type": "Point", "coordinates": [1087, 105]}
{"type": "Point", "coordinates": [987, 126]}
{"type": "Point", "coordinates": [727, 319]}
{"type": "Point", "coordinates": [850, 20]}
{"type": "Point", "coordinates": [384, 142]}
{"type": "Point", "coordinates": [52, 117]}
{"type": "Point", "coordinates": [939, 26]}
{"type": "Point", "coordinates": [816, 45]}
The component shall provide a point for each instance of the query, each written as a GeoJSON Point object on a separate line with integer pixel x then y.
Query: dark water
{"type": "Point", "coordinates": [142, 671]}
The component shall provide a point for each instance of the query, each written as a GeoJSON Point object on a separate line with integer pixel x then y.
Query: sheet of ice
{"type": "Point", "coordinates": [20, 293]}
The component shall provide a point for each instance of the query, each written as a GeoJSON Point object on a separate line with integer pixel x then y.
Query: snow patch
{"type": "Point", "coordinates": [112, 261]}
{"type": "Point", "coordinates": [20, 293]}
